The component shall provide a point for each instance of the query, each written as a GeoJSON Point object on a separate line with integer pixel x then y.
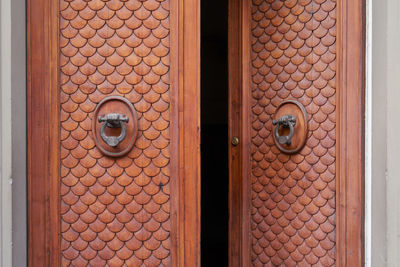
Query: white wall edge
{"type": "Point", "coordinates": [393, 144]}
{"type": "Point", "coordinates": [18, 113]}
{"type": "Point", "coordinates": [6, 138]}
{"type": "Point", "coordinates": [368, 135]}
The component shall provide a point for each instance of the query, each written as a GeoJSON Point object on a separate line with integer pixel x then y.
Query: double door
{"type": "Point", "coordinates": [114, 133]}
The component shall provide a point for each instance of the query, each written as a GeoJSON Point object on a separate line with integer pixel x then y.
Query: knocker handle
{"type": "Point", "coordinates": [113, 120]}
{"type": "Point", "coordinates": [286, 121]}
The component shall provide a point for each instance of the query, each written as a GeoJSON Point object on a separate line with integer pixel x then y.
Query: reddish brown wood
{"type": "Point", "coordinates": [293, 196]}
{"type": "Point", "coordinates": [346, 182]}
{"type": "Point", "coordinates": [239, 156]}
{"type": "Point", "coordinates": [128, 50]}
{"type": "Point", "coordinates": [185, 131]}
{"type": "Point", "coordinates": [43, 133]}
{"type": "Point", "coordinates": [350, 132]}
{"type": "Point", "coordinates": [43, 129]}
{"type": "Point", "coordinates": [115, 211]}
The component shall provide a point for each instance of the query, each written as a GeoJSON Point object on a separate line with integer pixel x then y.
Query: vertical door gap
{"type": "Point", "coordinates": [214, 133]}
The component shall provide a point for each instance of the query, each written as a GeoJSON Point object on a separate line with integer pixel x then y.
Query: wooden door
{"type": "Point", "coordinates": [305, 208]}
{"type": "Point", "coordinates": [85, 207]}
{"type": "Point", "coordinates": [143, 208]}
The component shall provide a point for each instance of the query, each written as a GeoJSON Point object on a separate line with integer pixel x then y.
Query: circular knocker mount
{"type": "Point", "coordinates": [291, 126]}
{"type": "Point", "coordinates": [114, 126]}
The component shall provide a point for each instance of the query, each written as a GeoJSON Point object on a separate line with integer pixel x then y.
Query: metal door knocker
{"type": "Point", "coordinates": [113, 120]}
{"type": "Point", "coordinates": [291, 126]}
{"type": "Point", "coordinates": [114, 126]}
{"type": "Point", "coordinates": [287, 121]}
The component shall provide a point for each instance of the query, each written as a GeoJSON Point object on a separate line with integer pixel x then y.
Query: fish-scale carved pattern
{"type": "Point", "coordinates": [115, 212]}
{"type": "Point", "coordinates": [293, 197]}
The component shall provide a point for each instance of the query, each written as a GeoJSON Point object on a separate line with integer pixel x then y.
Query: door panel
{"type": "Point", "coordinates": [86, 208]}
{"type": "Point", "coordinates": [115, 211]}
{"type": "Point", "coordinates": [284, 207]}
{"type": "Point", "coordinates": [293, 196]}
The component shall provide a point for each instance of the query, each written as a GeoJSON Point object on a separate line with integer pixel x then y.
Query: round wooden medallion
{"type": "Point", "coordinates": [290, 126]}
{"type": "Point", "coordinates": [114, 107]}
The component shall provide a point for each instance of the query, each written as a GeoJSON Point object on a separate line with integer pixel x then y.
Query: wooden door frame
{"type": "Point", "coordinates": [43, 151]}
{"type": "Point", "coordinates": [238, 100]}
{"type": "Point", "coordinates": [350, 166]}
{"type": "Point", "coordinates": [350, 69]}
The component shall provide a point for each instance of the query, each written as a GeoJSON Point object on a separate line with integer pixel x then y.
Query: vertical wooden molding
{"type": "Point", "coordinates": [185, 128]}
{"type": "Point", "coordinates": [191, 131]}
{"type": "Point", "coordinates": [239, 28]}
{"type": "Point", "coordinates": [350, 132]}
{"type": "Point", "coordinates": [43, 133]}
{"type": "Point", "coordinates": [174, 160]}
{"type": "Point", "coordinates": [235, 160]}
{"type": "Point", "coordinates": [246, 132]}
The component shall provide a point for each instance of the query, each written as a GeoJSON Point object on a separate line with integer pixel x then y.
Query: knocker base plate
{"type": "Point", "coordinates": [300, 128]}
{"type": "Point", "coordinates": [113, 106]}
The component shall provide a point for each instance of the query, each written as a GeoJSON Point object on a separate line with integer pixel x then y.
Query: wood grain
{"type": "Point", "coordinates": [350, 132]}
{"type": "Point", "coordinates": [185, 131]}
{"type": "Point", "coordinates": [43, 133]}
{"type": "Point", "coordinates": [239, 156]}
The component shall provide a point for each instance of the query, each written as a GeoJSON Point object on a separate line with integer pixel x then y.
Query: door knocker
{"type": "Point", "coordinates": [114, 126]}
{"type": "Point", "coordinates": [291, 126]}
{"type": "Point", "coordinates": [287, 121]}
{"type": "Point", "coordinates": [113, 120]}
